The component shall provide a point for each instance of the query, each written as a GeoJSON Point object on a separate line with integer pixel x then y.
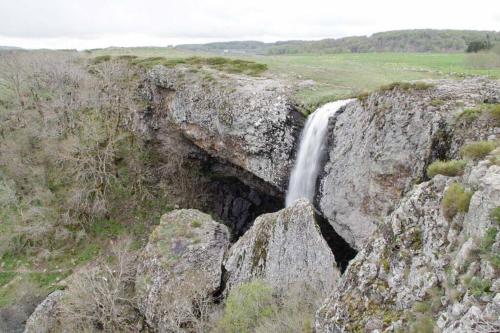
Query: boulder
{"type": "Point", "coordinates": [283, 249]}
{"type": "Point", "coordinates": [45, 317]}
{"type": "Point", "coordinates": [181, 265]}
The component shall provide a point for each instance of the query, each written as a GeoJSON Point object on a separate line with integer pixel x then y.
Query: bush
{"type": "Point", "coordinates": [479, 287]}
{"type": "Point", "coordinates": [477, 150]}
{"type": "Point", "coordinates": [495, 215]}
{"type": "Point", "coordinates": [478, 45]}
{"type": "Point", "coordinates": [423, 324]}
{"type": "Point", "coordinates": [492, 112]}
{"type": "Point", "coordinates": [246, 306]}
{"type": "Point", "coordinates": [455, 200]}
{"type": "Point", "coordinates": [101, 59]}
{"type": "Point", "coordinates": [102, 295]}
{"type": "Point", "coordinates": [406, 86]}
{"type": "Point", "coordinates": [446, 168]}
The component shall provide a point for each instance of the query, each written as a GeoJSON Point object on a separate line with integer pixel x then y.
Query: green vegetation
{"type": "Point", "coordinates": [339, 75]}
{"type": "Point", "coordinates": [477, 150]}
{"type": "Point", "coordinates": [495, 215]}
{"type": "Point", "coordinates": [74, 176]}
{"type": "Point", "coordinates": [456, 200]}
{"type": "Point", "coordinates": [246, 306]}
{"type": "Point", "coordinates": [219, 63]}
{"type": "Point", "coordinates": [421, 40]}
{"type": "Point", "coordinates": [479, 287]}
{"type": "Point", "coordinates": [423, 324]}
{"type": "Point", "coordinates": [446, 168]}
{"type": "Point", "coordinates": [100, 59]}
{"type": "Point", "coordinates": [252, 307]}
{"type": "Point", "coordinates": [490, 111]}
{"type": "Point", "coordinates": [479, 45]}
{"type": "Point", "coordinates": [406, 86]}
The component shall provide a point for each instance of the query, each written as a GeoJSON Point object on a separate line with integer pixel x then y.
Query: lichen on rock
{"type": "Point", "coordinates": [419, 268]}
{"type": "Point", "coordinates": [283, 249]}
{"type": "Point", "coordinates": [181, 265]}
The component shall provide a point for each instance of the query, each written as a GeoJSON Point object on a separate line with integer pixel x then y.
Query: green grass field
{"type": "Point", "coordinates": [342, 75]}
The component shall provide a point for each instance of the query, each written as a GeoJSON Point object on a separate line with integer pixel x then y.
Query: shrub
{"type": "Point", "coordinates": [478, 45]}
{"type": "Point", "coordinates": [295, 313]}
{"type": "Point", "coordinates": [102, 295]}
{"type": "Point", "coordinates": [455, 200]}
{"type": "Point", "coordinates": [494, 111]}
{"type": "Point", "coordinates": [446, 168]}
{"type": "Point", "coordinates": [491, 111]}
{"type": "Point", "coordinates": [495, 215]}
{"type": "Point", "coordinates": [423, 324]}
{"type": "Point", "coordinates": [437, 102]}
{"type": "Point", "coordinates": [406, 86]}
{"type": "Point", "coordinates": [101, 59]}
{"type": "Point", "coordinates": [479, 287]}
{"type": "Point", "coordinates": [246, 306]}
{"type": "Point", "coordinates": [469, 115]}
{"type": "Point", "coordinates": [477, 150]}
{"type": "Point", "coordinates": [488, 240]}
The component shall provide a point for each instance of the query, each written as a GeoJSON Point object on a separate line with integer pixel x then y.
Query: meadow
{"type": "Point", "coordinates": [335, 76]}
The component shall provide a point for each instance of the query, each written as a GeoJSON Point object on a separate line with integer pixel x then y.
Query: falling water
{"type": "Point", "coordinates": [312, 142]}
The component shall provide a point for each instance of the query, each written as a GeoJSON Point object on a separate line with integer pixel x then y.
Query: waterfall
{"type": "Point", "coordinates": [312, 141]}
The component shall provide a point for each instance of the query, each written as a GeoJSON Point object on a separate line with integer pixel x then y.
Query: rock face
{"type": "Point", "coordinates": [380, 147]}
{"type": "Point", "coordinates": [184, 253]}
{"type": "Point", "coordinates": [422, 270]}
{"type": "Point", "coordinates": [45, 317]}
{"type": "Point", "coordinates": [283, 249]}
{"type": "Point", "coordinates": [246, 121]}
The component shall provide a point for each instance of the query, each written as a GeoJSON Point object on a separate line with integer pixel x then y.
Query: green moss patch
{"type": "Point", "coordinates": [446, 168]}
{"type": "Point", "coordinates": [477, 150]}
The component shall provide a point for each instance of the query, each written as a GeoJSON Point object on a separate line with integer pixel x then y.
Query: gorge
{"type": "Point", "coordinates": [374, 237]}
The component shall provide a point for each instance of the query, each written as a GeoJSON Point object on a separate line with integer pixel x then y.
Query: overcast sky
{"type": "Point", "coordinates": [100, 23]}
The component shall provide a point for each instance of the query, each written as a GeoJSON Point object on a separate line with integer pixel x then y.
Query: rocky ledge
{"type": "Point", "coordinates": [249, 122]}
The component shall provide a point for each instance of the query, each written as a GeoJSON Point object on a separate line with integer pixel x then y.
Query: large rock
{"type": "Point", "coordinates": [45, 317]}
{"type": "Point", "coordinates": [181, 264]}
{"type": "Point", "coordinates": [285, 248]}
{"type": "Point", "coordinates": [249, 122]}
{"type": "Point", "coordinates": [420, 269]}
{"type": "Point", "coordinates": [381, 146]}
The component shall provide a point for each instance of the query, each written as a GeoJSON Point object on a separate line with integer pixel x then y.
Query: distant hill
{"type": "Point", "coordinates": [424, 40]}
{"type": "Point", "coordinates": [4, 47]}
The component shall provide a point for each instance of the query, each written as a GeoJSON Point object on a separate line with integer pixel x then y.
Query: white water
{"type": "Point", "coordinates": [312, 143]}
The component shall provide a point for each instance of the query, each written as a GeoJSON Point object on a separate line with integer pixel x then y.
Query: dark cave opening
{"type": "Point", "coordinates": [238, 204]}
{"type": "Point", "coordinates": [342, 251]}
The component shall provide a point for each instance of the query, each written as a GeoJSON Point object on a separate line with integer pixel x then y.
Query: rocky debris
{"type": "Point", "coordinates": [420, 269]}
{"type": "Point", "coordinates": [184, 255]}
{"type": "Point", "coordinates": [283, 249]}
{"type": "Point", "coordinates": [379, 147]}
{"type": "Point", "coordinates": [45, 317]}
{"type": "Point", "coordinates": [247, 121]}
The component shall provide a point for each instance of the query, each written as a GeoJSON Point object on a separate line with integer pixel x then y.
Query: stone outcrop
{"type": "Point", "coordinates": [246, 121]}
{"type": "Point", "coordinates": [181, 264]}
{"type": "Point", "coordinates": [421, 269]}
{"type": "Point", "coordinates": [285, 248]}
{"type": "Point", "coordinates": [45, 317]}
{"type": "Point", "coordinates": [380, 146]}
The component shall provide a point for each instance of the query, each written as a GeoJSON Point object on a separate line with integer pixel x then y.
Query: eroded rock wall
{"type": "Point", "coordinates": [380, 147]}
{"type": "Point", "coordinates": [422, 269]}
